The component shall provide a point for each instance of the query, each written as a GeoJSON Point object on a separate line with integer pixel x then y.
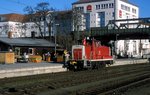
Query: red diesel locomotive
{"type": "Point", "coordinates": [89, 55]}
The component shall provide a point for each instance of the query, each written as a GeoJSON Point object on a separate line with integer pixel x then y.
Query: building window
{"type": "Point", "coordinates": [80, 8]}
{"type": "Point", "coordinates": [98, 7]}
{"type": "Point", "coordinates": [133, 10]}
{"type": "Point", "coordinates": [126, 8]}
{"type": "Point", "coordinates": [122, 7]}
{"type": "Point", "coordinates": [102, 6]}
{"type": "Point", "coordinates": [101, 16]}
{"type": "Point", "coordinates": [98, 22]}
{"type": "Point", "coordinates": [106, 5]}
{"type": "Point", "coordinates": [113, 14]}
{"type": "Point", "coordinates": [111, 5]}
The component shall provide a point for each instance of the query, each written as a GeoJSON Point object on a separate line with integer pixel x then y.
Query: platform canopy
{"type": "Point", "coordinates": [26, 42]}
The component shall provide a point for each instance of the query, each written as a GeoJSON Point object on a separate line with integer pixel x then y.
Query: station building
{"type": "Point", "coordinates": [98, 13]}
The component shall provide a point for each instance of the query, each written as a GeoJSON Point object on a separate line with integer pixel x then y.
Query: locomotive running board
{"type": "Point", "coordinates": [102, 60]}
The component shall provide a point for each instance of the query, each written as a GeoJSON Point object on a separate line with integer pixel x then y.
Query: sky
{"type": "Point", "coordinates": [17, 6]}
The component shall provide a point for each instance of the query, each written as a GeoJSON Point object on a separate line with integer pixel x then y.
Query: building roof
{"type": "Point", "coordinates": [89, 1]}
{"type": "Point", "coordinates": [127, 1]}
{"type": "Point", "coordinates": [63, 15]}
{"type": "Point", "coordinates": [13, 17]}
{"type": "Point", "coordinates": [26, 42]}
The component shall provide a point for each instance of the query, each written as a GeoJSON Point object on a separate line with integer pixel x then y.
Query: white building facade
{"type": "Point", "coordinates": [13, 25]}
{"type": "Point", "coordinates": [97, 13]}
{"type": "Point", "coordinates": [18, 29]}
{"type": "Point", "coordinates": [16, 25]}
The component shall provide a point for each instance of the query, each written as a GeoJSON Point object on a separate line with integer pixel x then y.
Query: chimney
{"type": "Point", "coordinates": [10, 34]}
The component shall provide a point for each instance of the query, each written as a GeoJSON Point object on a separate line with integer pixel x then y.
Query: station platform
{"type": "Point", "coordinates": [129, 61]}
{"type": "Point", "coordinates": [24, 69]}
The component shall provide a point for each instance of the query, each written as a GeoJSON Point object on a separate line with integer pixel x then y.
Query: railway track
{"type": "Point", "coordinates": [122, 89]}
{"type": "Point", "coordinates": [102, 81]}
{"type": "Point", "coordinates": [116, 86]}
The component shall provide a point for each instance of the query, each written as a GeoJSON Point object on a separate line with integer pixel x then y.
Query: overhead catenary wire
{"type": "Point", "coordinates": [13, 1]}
{"type": "Point", "coordinates": [17, 2]}
{"type": "Point", "coordinates": [24, 4]}
{"type": "Point", "coordinates": [10, 10]}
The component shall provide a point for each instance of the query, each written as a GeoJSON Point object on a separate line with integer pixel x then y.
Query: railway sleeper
{"type": "Point", "coordinates": [103, 88]}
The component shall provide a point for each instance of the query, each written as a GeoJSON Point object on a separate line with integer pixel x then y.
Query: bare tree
{"type": "Point", "coordinates": [64, 18]}
{"type": "Point", "coordinates": [32, 16]}
{"type": "Point", "coordinates": [77, 22]}
{"type": "Point", "coordinates": [23, 28]}
{"type": "Point", "coordinates": [65, 40]}
{"type": "Point", "coordinates": [39, 16]}
{"type": "Point", "coordinates": [50, 20]}
{"type": "Point", "coordinates": [5, 29]}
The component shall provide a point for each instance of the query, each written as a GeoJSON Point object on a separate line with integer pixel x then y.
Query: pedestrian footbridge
{"type": "Point", "coordinates": [122, 30]}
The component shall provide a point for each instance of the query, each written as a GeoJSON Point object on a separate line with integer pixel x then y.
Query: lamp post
{"type": "Point", "coordinates": [115, 9]}
{"type": "Point", "coordinates": [116, 44]}
{"type": "Point", "coordinates": [78, 34]}
{"type": "Point", "coordinates": [56, 26]}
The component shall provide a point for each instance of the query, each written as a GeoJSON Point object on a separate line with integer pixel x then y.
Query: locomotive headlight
{"type": "Point", "coordinates": [73, 62]}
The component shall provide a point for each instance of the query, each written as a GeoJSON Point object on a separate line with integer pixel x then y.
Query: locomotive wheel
{"type": "Point", "coordinates": [93, 65]}
{"type": "Point", "coordinates": [102, 65]}
{"type": "Point", "coordinates": [98, 65]}
{"type": "Point", "coordinates": [75, 67]}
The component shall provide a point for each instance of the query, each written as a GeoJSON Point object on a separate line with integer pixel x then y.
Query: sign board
{"type": "Point", "coordinates": [89, 8]}
{"type": "Point", "coordinates": [120, 13]}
